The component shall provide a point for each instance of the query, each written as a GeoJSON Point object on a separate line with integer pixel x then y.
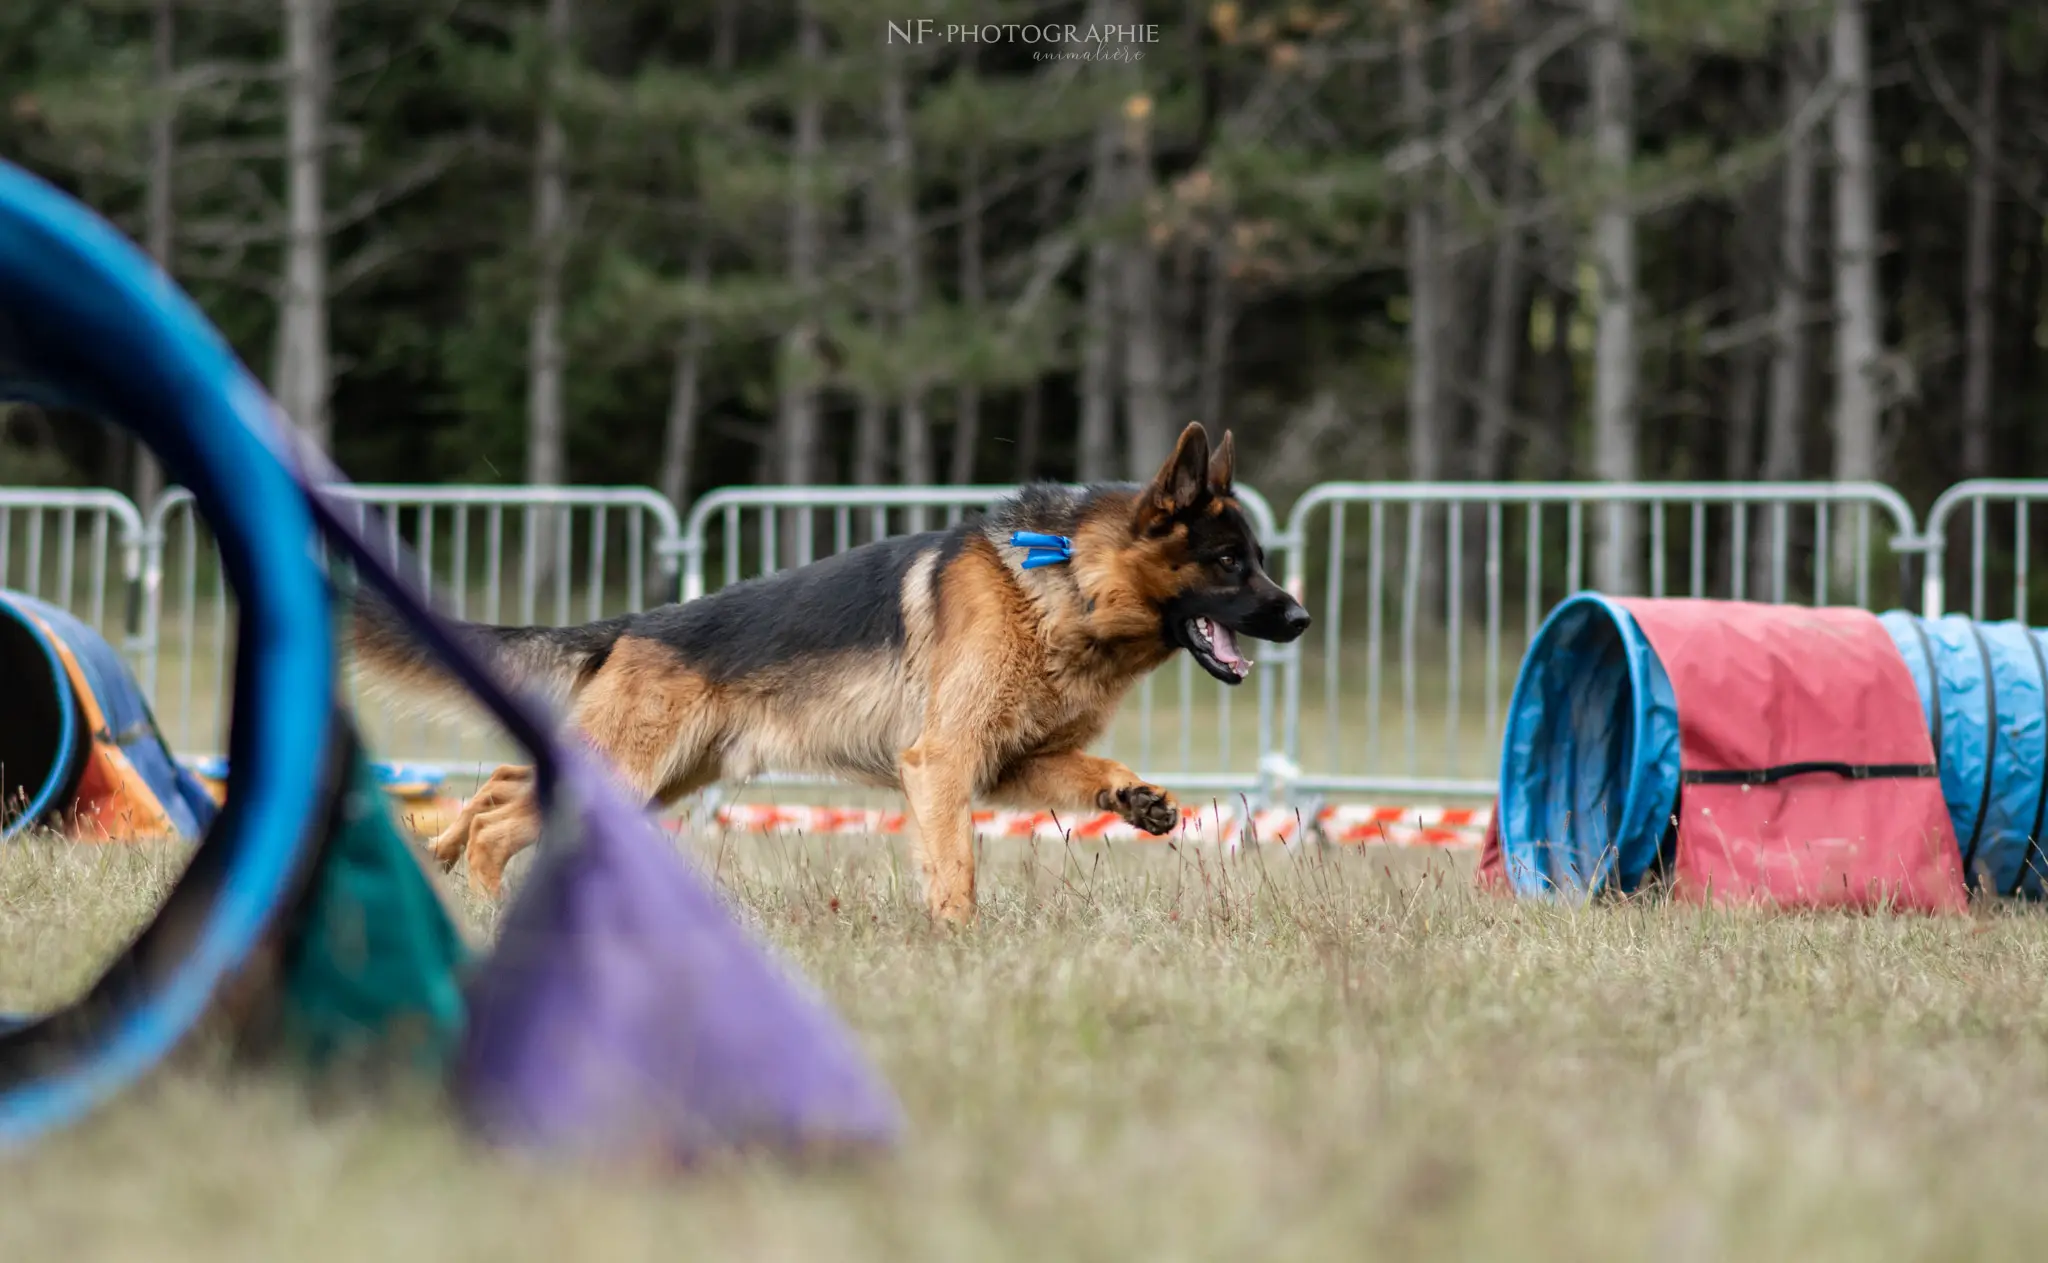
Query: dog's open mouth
{"type": "Point", "coordinates": [1215, 647]}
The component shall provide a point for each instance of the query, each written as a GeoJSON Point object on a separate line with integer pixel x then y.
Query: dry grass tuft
{"type": "Point", "coordinates": [1163, 1055]}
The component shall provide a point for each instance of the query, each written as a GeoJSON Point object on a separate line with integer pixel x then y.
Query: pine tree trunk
{"type": "Point", "coordinates": [679, 438]}
{"type": "Point", "coordinates": [1745, 394]}
{"type": "Point", "coordinates": [1753, 247]}
{"type": "Point", "coordinates": [797, 412]}
{"type": "Point", "coordinates": [1097, 441]}
{"type": "Point", "coordinates": [303, 371]}
{"type": "Point", "coordinates": [1219, 316]}
{"type": "Point", "coordinates": [1857, 305]}
{"type": "Point", "coordinates": [796, 422]}
{"type": "Point", "coordinates": [1980, 266]}
{"type": "Point", "coordinates": [2023, 314]}
{"type": "Point", "coordinates": [1459, 282]}
{"type": "Point", "coordinates": [1750, 244]}
{"type": "Point", "coordinates": [871, 420]}
{"type": "Point", "coordinates": [967, 424]}
{"type": "Point", "coordinates": [1615, 369]}
{"type": "Point", "coordinates": [871, 439]}
{"type": "Point", "coordinates": [545, 422]}
{"type": "Point", "coordinates": [544, 355]}
{"type": "Point", "coordinates": [1560, 387]}
{"type": "Point", "coordinates": [1503, 335]}
{"type": "Point", "coordinates": [1425, 314]}
{"type": "Point", "coordinates": [1176, 313]}
{"type": "Point", "coordinates": [1756, 239]}
{"type": "Point", "coordinates": [1785, 419]}
{"type": "Point", "coordinates": [1031, 431]}
{"type": "Point", "coordinates": [1506, 324]}
{"type": "Point", "coordinates": [1148, 420]}
{"type": "Point", "coordinates": [146, 476]}
{"type": "Point", "coordinates": [914, 436]}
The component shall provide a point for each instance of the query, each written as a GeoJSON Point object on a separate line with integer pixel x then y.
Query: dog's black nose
{"type": "Point", "coordinates": [1296, 622]}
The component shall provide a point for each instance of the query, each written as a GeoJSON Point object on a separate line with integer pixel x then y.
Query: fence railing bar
{"type": "Point", "coordinates": [1657, 548]}
{"type": "Point", "coordinates": [1410, 599]}
{"type": "Point", "coordinates": [2019, 561]}
{"type": "Point", "coordinates": [1822, 553]}
{"type": "Point", "coordinates": [39, 552]}
{"type": "Point", "coordinates": [1698, 549]}
{"type": "Point", "coordinates": [1738, 559]}
{"type": "Point", "coordinates": [1979, 509]}
{"type": "Point", "coordinates": [1493, 616]}
{"type": "Point", "coordinates": [1375, 628]}
{"type": "Point", "coordinates": [1333, 644]}
{"type": "Point", "coordinates": [1454, 618]}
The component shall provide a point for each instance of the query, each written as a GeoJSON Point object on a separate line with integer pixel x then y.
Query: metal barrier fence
{"type": "Point", "coordinates": [70, 547]}
{"type": "Point", "coordinates": [1184, 728]}
{"type": "Point", "coordinates": [1993, 557]}
{"type": "Point", "coordinates": [497, 554]}
{"type": "Point", "coordinates": [1479, 565]}
{"type": "Point", "coordinates": [1425, 595]}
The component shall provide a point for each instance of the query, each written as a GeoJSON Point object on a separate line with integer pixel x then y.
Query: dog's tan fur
{"type": "Point", "coordinates": [1002, 678]}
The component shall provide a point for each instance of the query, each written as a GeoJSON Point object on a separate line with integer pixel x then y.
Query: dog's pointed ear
{"type": "Point", "coordinates": [1223, 466]}
{"type": "Point", "coordinates": [1181, 483]}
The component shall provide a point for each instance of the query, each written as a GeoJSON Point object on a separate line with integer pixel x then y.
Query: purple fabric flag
{"type": "Point", "coordinates": [624, 1013]}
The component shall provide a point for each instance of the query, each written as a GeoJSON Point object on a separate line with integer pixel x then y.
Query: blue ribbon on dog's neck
{"type": "Point", "coordinates": [1045, 550]}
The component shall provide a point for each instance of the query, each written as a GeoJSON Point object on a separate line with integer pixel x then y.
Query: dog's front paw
{"type": "Point", "coordinates": [1147, 806]}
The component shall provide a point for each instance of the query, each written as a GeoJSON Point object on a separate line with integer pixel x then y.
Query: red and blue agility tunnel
{"type": "Point", "coordinates": [1983, 691]}
{"type": "Point", "coordinates": [80, 752]}
{"type": "Point", "coordinates": [624, 1012]}
{"type": "Point", "coordinates": [1744, 752]}
{"type": "Point", "coordinates": [1592, 746]}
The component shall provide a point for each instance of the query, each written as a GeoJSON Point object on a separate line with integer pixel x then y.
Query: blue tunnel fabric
{"type": "Point", "coordinates": [1984, 691]}
{"type": "Point", "coordinates": [1590, 760]}
{"type": "Point", "coordinates": [88, 322]}
{"type": "Point", "coordinates": [130, 725]}
{"type": "Point", "coordinates": [68, 742]}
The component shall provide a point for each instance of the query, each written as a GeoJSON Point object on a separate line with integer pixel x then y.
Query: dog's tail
{"type": "Point", "coordinates": [554, 661]}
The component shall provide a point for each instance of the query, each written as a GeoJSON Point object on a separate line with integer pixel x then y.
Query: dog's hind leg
{"type": "Point", "coordinates": [497, 835]}
{"type": "Point", "coordinates": [647, 715]}
{"type": "Point", "coordinates": [654, 719]}
{"type": "Point", "coordinates": [510, 824]}
{"type": "Point", "coordinates": [452, 843]}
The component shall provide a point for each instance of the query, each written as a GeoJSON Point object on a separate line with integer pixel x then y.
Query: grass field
{"type": "Point", "coordinates": [1150, 1054]}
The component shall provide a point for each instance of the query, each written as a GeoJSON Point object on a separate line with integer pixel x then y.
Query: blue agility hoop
{"type": "Point", "coordinates": [702, 1038]}
{"type": "Point", "coordinates": [88, 322]}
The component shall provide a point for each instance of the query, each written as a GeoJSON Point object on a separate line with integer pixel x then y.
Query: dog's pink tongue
{"type": "Point", "coordinates": [1224, 643]}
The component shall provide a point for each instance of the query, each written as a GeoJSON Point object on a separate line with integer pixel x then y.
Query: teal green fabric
{"type": "Point", "coordinates": [372, 968]}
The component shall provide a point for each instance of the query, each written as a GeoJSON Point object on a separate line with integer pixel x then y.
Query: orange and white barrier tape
{"type": "Point", "coordinates": [417, 795]}
{"type": "Point", "coordinates": [1351, 823]}
{"type": "Point", "coordinates": [1359, 823]}
{"type": "Point", "coordinates": [1347, 824]}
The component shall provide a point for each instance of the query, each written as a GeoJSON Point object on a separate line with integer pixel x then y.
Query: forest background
{"type": "Point", "coordinates": [922, 241]}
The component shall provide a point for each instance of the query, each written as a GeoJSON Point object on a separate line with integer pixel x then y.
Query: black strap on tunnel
{"type": "Point", "coordinates": [2033, 854]}
{"type": "Point", "coordinates": [1990, 752]}
{"type": "Point", "coordinates": [1848, 771]}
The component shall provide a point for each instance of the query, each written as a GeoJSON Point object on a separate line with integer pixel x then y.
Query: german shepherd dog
{"type": "Point", "coordinates": [953, 665]}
